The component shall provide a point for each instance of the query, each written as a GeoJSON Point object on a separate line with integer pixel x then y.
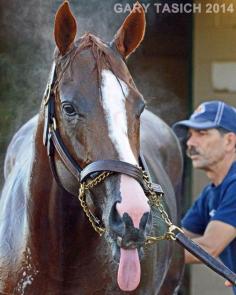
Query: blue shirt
{"type": "Point", "coordinates": [216, 203]}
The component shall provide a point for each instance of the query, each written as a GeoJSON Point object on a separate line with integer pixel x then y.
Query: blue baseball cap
{"type": "Point", "coordinates": [208, 115]}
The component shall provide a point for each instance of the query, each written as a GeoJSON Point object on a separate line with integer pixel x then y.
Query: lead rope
{"type": "Point", "coordinates": [154, 201]}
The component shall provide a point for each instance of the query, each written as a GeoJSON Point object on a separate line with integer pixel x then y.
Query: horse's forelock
{"type": "Point", "coordinates": [88, 40]}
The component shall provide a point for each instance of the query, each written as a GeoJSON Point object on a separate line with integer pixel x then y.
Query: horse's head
{"type": "Point", "coordinates": [97, 110]}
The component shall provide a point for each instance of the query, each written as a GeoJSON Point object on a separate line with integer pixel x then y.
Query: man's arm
{"type": "Point", "coordinates": [190, 234]}
{"type": "Point", "coordinates": [216, 237]}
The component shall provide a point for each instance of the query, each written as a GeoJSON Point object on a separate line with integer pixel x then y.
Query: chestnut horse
{"type": "Point", "coordinates": [89, 118]}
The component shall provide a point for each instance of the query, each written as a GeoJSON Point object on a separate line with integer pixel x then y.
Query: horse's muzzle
{"type": "Point", "coordinates": [125, 234]}
{"type": "Point", "coordinates": [132, 237]}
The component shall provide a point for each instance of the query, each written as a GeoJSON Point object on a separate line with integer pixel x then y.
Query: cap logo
{"type": "Point", "coordinates": [199, 110]}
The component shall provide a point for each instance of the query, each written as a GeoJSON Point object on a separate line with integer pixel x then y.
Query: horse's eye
{"type": "Point", "coordinates": [69, 109]}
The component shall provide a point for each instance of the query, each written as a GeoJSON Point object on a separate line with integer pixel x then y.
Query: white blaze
{"type": "Point", "coordinates": [134, 201]}
{"type": "Point", "coordinates": [113, 99]}
{"type": "Point", "coordinates": [114, 93]}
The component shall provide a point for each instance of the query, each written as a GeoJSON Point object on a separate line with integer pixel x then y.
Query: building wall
{"type": "Point", "coordinates": [214, 41]}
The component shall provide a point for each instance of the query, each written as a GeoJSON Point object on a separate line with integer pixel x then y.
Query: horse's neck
{"type": "Point", "coordinates": [43, 192]}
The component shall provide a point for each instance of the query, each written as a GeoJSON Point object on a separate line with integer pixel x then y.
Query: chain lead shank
{"type": "Point", "coordinates": [82, 198]}
{"type": "Point", "coordinates": [155, 201]}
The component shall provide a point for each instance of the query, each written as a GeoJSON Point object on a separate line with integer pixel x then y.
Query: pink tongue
{"type": "Point", "coordinates": [129, 271]}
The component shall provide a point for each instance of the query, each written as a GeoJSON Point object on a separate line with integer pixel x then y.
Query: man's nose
{"type": "Point", "coordinates": [191, 141]}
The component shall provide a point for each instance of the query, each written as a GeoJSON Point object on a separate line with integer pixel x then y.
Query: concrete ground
{"type": "Point", "coordinates": [205, 282]}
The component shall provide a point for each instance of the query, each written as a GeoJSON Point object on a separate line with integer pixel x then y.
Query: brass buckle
{"type": "Point", "coordinates": [54, 123]}
{"type": "Point", "coordinates": [47, 95]}
{"type": "Point", "coordinates": [171, 230]}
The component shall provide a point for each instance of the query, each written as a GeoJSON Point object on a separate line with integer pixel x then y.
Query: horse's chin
{"type": "Point", "coordinates": [116, 252]}
{"type": "Point", "coordinates": [129, 270]}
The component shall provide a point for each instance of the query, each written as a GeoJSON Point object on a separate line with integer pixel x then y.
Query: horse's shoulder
{"type": "Point", "coordinates": [155, 129]}
{"type": "Point", "coordinates": [13, 212]}
{"type": "Point", "coordinates": [14, 197]}
{"type": "Point", "coordinates": [20, 145]}
{"type": "Point", "coordinates": [17, 168]}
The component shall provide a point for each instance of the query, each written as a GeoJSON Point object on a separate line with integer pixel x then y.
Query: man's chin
{"type": "Point", "coordinates": [198, 165]}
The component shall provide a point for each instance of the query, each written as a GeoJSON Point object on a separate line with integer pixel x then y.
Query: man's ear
{"type": "Point", "coordinates": [131, 33]}
{"type": "Point", "coordinates": [65, 28]}
{"type": "Point", "coordinates": [230, 139]}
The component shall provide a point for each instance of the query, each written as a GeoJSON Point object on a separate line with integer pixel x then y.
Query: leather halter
{"type": "Point", "coordinates": [53, 141]}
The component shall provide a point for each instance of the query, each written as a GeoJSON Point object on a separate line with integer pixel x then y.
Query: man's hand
{"type": "Point", "coordinates": [228, 284]}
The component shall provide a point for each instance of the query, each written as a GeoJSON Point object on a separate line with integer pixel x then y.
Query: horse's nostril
{"type": "Point", "coordinates": [120, 224]}
{"type": "Point", "coordinates": [127, 220]}
{"type": "Point", "coordinates": [144, 221]}
{"type": "Point", "coordinates": [116, 223]}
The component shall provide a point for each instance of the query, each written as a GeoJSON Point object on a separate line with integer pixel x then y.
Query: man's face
{"type": "Point", "coordinates": [206, 148]}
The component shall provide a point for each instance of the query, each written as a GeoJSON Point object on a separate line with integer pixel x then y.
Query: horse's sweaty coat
{"type": "Point", "coordinates": [47, 244]}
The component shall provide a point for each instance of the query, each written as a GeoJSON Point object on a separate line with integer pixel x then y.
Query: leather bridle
{"type": "Point", "coordinates": [95, 172]}
{"type": "Point", "coordinates": [53, 141]}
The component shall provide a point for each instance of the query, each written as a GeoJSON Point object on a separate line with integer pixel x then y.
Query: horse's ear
{"type": "Point", "coordinates": [65, 28]}
{"type": "Point", "coordinates": [132, 31]}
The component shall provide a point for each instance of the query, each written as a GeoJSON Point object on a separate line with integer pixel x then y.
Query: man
{"type": "Point", "coordinates": [211, 145]}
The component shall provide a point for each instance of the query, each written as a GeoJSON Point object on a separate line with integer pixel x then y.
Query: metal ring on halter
{"type": "Point", "coordinates": [47, 95]}
{"type": "Point", "coordinates": [54, 122]}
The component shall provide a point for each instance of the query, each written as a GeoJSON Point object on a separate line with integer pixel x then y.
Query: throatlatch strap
{"type": "Point", "coordinates": [70, 163]}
